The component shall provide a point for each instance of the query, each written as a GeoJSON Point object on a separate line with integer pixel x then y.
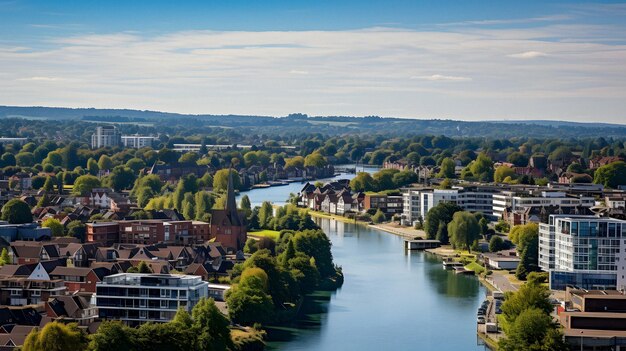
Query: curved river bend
{"type": "Point", "coordinates": [391, 299]}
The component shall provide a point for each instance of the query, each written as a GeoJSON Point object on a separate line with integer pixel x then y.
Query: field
{"type": "Point", "coordinates": [272, 234]}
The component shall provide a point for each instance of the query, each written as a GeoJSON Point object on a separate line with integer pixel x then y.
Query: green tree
{"type": "Point", "coordinates": [502, 172]}
{"type": "Point", "coordinates": [484, 226]}
{"type": "Point", "coordinates": [533, 330]}
{"type": "Point", "coordinates": [220, 180]}
{"type": "Point", "coordinates": [363, 182]}
{"type": "Point", "coordinates": [105, 163]}
{"type": "Point", "coordinates": [203, 204]}
{"type": "Point", "coordinates": [55, 226]}
{"type": "Point", "coordinates": [463, 230]}
{"type": "Point", "coordinates": [482, 168]}
{"type": "Point", "coordinates": [404, 178]}
{"type": "Point", "coordinates": [189, 210]}
{"type": "Point", "coordinates": [529, 261]}
{"type": "Point", "coordinates": [48, 186]}
{"type": "Point", "coordinates": [314, 243]}
{"type": "Point", "coordinates": [25, 159]}
{"type": "Point", "coordinates": [135, 164]}
{"type": "Point", "coordinates": [113, 335]}
{"type": "Point", "coordinates": [4, 257]}
{"type": "Point", "coordinates": [143, 268]}
{"type": "Point", "coordinates": [16, 211]}
{"type": "Point", "coordinates": [611, 175]}
{"type": "Point", "coordinates": [384, 179]}
{"type": "Point", "coordinates": [54, 158]}
{"type": "Point", "coordinates": [211, 327]}
{"type": "Point", "coordinates": [315, 160]}
{"type": "Point", "coordinates": [245, 205]}
{"type": "Point", "coordinates": [76, 229]}
{"type": "Point", "coordinates": [121, 178]}
{"type": "Point", "coordinates": [379, 217]}
{"type": "Point", "coordinates": [266, 214]}
{"type": "Point", "coordinates": [85, 183]}
{"type": "Point", "coordinates": [529, 295]}
{"type": "Point", "coordinates": [522, 235]}
{"type": "Point", "coordinates": [443, 212]}
{"type": "Point", "coordinates": [447, 168]}
{"type": "Point", "coordinates": [496, 244]}
{"type": "Point", "coordinates": [92, 167]}
{"type": "Point", "coordinates": [56, 336]}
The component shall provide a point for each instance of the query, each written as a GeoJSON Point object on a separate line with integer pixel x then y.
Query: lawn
{"type": "Point", "coordinates": [474, 266]}
{"type": "Point", "coordinates": [272, 234]}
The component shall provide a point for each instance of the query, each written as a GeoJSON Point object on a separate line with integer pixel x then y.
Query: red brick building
{"type": "Point", "coordinates": [228, 225]}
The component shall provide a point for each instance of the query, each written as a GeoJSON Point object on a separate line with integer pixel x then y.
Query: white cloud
{"type": "Point", "coordinates": [356, 72]}
{"type": "Point", "coordinates": [297, 71]}
{"type": "Point", "coordinates": [528, 54]}
{"type": "Point", "coordinates": [440, 77]}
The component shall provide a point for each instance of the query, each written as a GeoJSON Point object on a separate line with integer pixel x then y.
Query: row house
{"type": "Point", "coordinates": [80, 279]}
{"type": "Point", "coordinates": [150, 231]}
{"type": "Point", "coordinates": [75, 308]}
{"type": "Point", "coordinates": [31, 290]}
{"type": "Point", "coordinates": [24, 252]}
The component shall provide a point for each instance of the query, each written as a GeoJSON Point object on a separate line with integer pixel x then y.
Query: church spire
{"type": "Point", "coordinates": [231, 204]}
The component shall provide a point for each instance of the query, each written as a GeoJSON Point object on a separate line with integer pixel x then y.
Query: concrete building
{"type": "Point", "coordinates": [105, 136]}
{"type": "Point", "coordinates": [511, 201]}
{"type": "Point", "coordinates": [136, 298]}
{"type": "Point", "coordinates": [583, 251]}
{"type": "Point", "coordinates": [138, 141]}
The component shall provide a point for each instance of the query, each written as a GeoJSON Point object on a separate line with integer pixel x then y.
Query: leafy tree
{"type": "Point", "coordinates": [203, 204]}
{"type": "Point", "coordinates": [85, 183]}
{"type": "Point", "coordinates": [315, 160]}
{"type": "Point", "coordinates": [463, 230]}
{"type": "Point", "coordinates": [484, 226]}
{"type": "Point", "coordinates": [54, 158]}
{"type": "Point", "coordinates": [363, 182]}
{"type": "Point", "coordinates": [245, 205]}
{"type": "Point", "coordinates": [529, 295]}
{"type": "Point", "coordinates": [518, 159]}
{"type": "Point", "coordinates": [167, 156]}
{"type": "Point", "coordinates": [384, 179]}
{"type": "Point", "coordinates": [611, 175]}
{"type": "Point", "coordinates": [121, 178]}
{"type": "Point", "coordinates": [143, 268]}
{"type": "Point", "coordinates": [4, 257]}
{"type": "Point", "coordinates": [76, 229]}
{"type": "Point", "coordinates": [92, 167]}
{"type": "Point", "coordinates": [496, 244]}
{"type": "Point", "coordinates": [189, 211]}
{"type": "Point", "coordinates": [522, 235]}
{"type": "Point", "coordinates": [315, 244]}
{"type": "Point", "coordinates": [533, 329]}
{"type": "Point", "coordinates": [48, 186]}
{"type": "Point", "coordinates": [266, 213]}
{"type": "Point", "coordinates": [38, 182]}
{"type": "Point", "coordinates": [442, 233]}
{"type": "Point", "coordinates": [443, 212]}
{"type": "Point", "coordinates": [55, 226]}
{"type": "Point", "coordinates": [502, 173]}
{"type": "Point", "coordinates": [25, 159]}
{"type": "Point", "coordinates": [529, 261]}
{"type": "Point", "coordinates": [379, 217]}
{"type": "Point", "coordinates": [404, 178]}
{"type": "Point", "coordinates": [482, 168]}
{"type": "Point", "coordinates": [210, 326]}
{"type": "Point", "coordinates": [447, 168]}
{"type": "Point", "coordinates": [113, 335]}
{"type": "Point", "coordinates": [56, 336]}
{"type": "Point", "coordinates": [16, 211]}
{"type": "Point", "coordinates": [220, 180]}
{"type": "Point", "coordinates": [105, 163]}
{"type": "Point", "coordinates": [136, 164]}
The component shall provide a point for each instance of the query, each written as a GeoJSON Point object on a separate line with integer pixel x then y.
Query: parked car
{"type": "Point", "coordinates": [480, 320]}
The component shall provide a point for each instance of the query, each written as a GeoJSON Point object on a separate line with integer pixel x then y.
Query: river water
{"type": "Point", "coordinates": [391, 299]}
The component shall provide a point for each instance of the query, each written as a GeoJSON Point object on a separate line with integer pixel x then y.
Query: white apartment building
{"type": "Point", "coordinates": [137, 141]}
{"type": "Point", "coordinates": [136, 298]}
{"type": "Point", "coordinates": [588, 252]}
{"type": "Point", "coordinates": [518, 201]}
{"type": "Point", "coordinates": [105, 136]}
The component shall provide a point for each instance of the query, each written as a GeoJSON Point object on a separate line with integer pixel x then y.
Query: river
{"type": "Point", "coordinates": [391, 299]}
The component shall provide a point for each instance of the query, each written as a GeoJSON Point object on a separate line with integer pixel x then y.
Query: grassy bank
{"type": "Point", "coordinates": [335, 217]}
{"type": "Point", "coordinates": [272, 234]}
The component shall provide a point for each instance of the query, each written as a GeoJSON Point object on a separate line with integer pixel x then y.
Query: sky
{"type": "Point", "coordinates": [465, 59]}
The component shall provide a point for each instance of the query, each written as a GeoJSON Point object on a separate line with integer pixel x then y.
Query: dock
{"type": "Point", "coordinates": [422, 244]}
{"type": "Point", "coordinates": [449, 264]}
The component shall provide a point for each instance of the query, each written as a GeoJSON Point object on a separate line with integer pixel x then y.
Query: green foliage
{"type": "Point", "coordinates": [447, 168]}
{"type": "Point", "coordinates": [220, 180]}
{"type": "Point", "coordinates": [121, 178]}
{"type": "Point", "coordinates": [266, 214]}
{"type": "Point", "coordinates": [4, 257]}
{"type": "Point", "coordinates": [529, 261]}
{"type": "Point", "coordinates": [496, 244]}
{"type": "Point", "coordinates": [104, 163]}
{"type": "Point", "coordinates": [533, 329]}
{"type": "Point", "coordinates": [315, 160]}
{"type": "Point", "coordinates": [55, 226]}
{"type": "Point", "coordinates": [76, 229]}
{"type": "Point", "coordinates": [611, 175]}
{"type": "Point", "coordinates": [463, 230]}
{"type": "Point", "coordinates": [16, 211]}
{"type": "Point", "coordinates": [56, 336]}
{"type": "Point", "coordinates": [443, 213]}
{"type": "Point", "coordinates": [502, 226]}
{"type": "Point", "coordinates": [379, 217]}
{"type": "Point", "coordinates": [484, 226]}
{"type": "Point", "coordinates": [363, 182]}
{"type": "Point", "coordinates": [143, 268]}
{"type": "Point", "coordinates": [529, 295]}
{"type": "Point", "coordinates": [503, 172]}
{"type": "Point", "coordinates": [522, 235]}
{"type": "Point", "coordinates": [84, 184]}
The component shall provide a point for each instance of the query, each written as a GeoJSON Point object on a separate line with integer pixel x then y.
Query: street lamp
{"type": "Point", "coordinates": [581, 340]}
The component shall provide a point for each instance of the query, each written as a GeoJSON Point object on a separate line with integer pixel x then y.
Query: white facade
{"type": "Point", "coordinates": [519, 202]}
{"type": "Point", "coordinates": [137, 298]}
{"type": "Point", "coordinates": [137, 141]}
{"type": "Point", "coordinates": [105, 136]}
{"type": "Point", "coordinates": [585, 251]}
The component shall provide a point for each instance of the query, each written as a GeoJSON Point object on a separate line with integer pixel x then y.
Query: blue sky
{"type": "Point", "coordinates": [472, 60]}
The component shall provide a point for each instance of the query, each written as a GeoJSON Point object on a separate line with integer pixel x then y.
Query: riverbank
{"type": "Point", "coordinates": [405, 232]}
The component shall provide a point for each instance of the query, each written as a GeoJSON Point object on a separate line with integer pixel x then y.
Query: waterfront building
{"type": "Point", "coordinates": [584, 251]}
{"type": "Point", "coordinates": [138, 141]}
{"type": "Point", "coordinates": [136, 298]}
{"type": "Point", "coordinates": [509, 202]}
{"type": "Point", "coordinates": [105, 136]}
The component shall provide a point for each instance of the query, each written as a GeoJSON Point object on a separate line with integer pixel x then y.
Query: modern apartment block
{"type": "Point", "coordinates": [511, 201]}
{"type": "Point", "coordinates": [136, 298]}
{"type": "Point", "coordinates": [583, 251]}
{"type": "Point", "coordinates": [137, 141]}
{"type": "Point", "coordinates": [149, 231]}
{"type": "Point", "coordinates": [105, 136]}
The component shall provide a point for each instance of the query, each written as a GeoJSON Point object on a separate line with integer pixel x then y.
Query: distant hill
{"type": "Point", "coordinates": [332, 125]}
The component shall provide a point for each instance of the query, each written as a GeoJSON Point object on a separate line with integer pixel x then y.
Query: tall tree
{"type": "Point", "coordinates": [463, 230]}
{"type": "Point", "coordinates": [16, 211]}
